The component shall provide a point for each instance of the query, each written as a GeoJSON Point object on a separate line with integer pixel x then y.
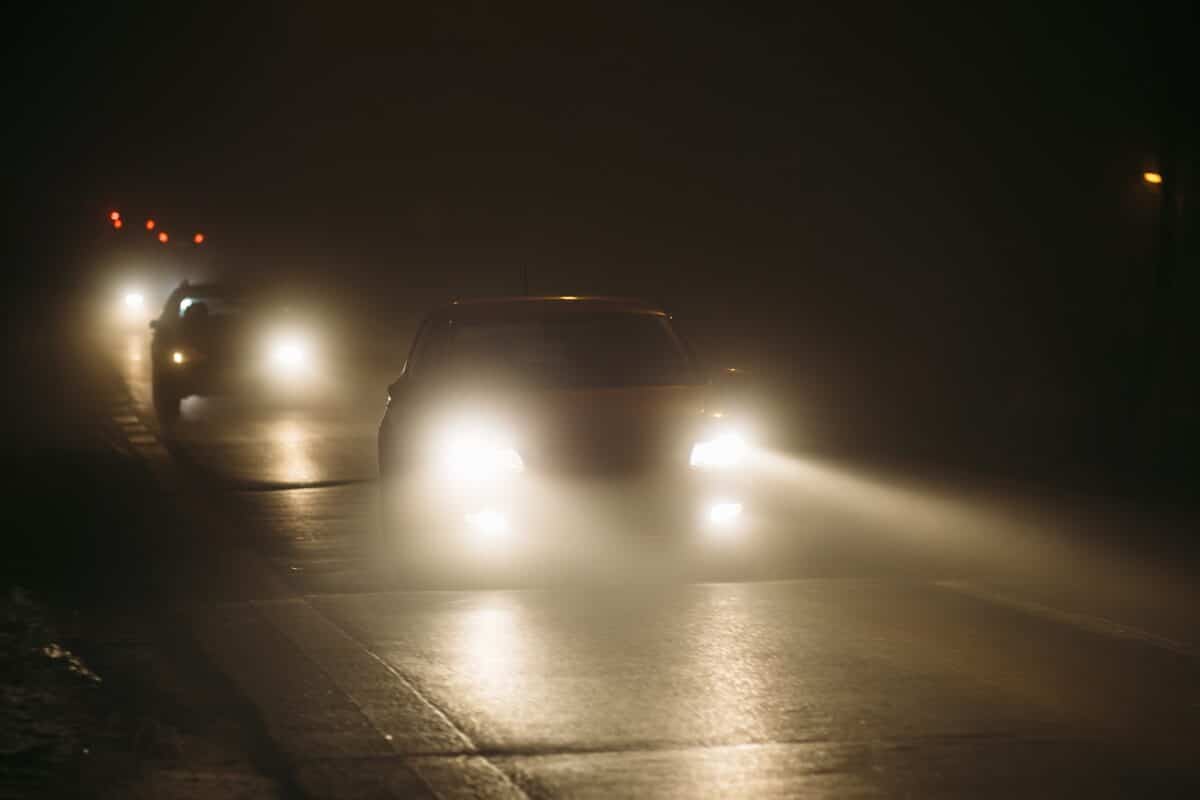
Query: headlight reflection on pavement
{"type": "Point", "coordinates": [292, 441]}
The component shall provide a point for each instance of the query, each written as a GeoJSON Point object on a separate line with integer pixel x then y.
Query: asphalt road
{"type": "Point", "coordinates": [913, 641]}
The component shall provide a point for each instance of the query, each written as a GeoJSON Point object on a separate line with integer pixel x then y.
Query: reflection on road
{"type": "Point", "coordinates": [488, 651]}
{"type": "Point", "coordinates": [252, 441]}
{"type": "Point", "coordinates": [658, 665]}
{"type": "Point", "coordinates": [291, 444]}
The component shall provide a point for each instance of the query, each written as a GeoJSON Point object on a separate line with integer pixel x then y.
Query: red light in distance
{"type": "Point", "coordinates": [114, 216]}
{"type": "Point", "coordinates": [149, 224]}
{"type": "Point", "coordinates": [162, 236]}
{"type": "Point", "coordinates": [118, 223]}
{"type": "Point", "coordinates": [198, 238]}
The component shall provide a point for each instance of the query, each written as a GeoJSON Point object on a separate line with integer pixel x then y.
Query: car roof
{"type": "Point", "coordinates": [521, 306]}
{"type": "Point", "coordinates": [211, 288]}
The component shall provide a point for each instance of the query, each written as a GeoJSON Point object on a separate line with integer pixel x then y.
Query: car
{"type": "Point", "coordinates": [533, 426]}
{"type": "Point", "coordinates": [220, 338]}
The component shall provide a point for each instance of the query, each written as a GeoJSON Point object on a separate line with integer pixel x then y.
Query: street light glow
{"type": "Point", "coordinates": [198, 238]}
{"type": "Point", "coordinates": [114, 216]}
{"type": "Point", "coordinates": [149, 224]}
{"type": "Point", "coordinates": [162, 236]}
{"type": "Point", "coordinates": [1152, 177]}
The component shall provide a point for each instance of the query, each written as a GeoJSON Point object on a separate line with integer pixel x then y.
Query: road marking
{"type": "Point", "coordinates": [408, 721]}
{"type": "Point", "coordinates": [1093, 624]}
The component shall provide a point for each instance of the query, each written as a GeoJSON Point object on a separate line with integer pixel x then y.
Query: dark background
{"type": "Point", "coordinates": [926, 228]}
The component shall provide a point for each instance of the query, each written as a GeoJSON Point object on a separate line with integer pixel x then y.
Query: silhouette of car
{"type": "Point", "coordinates": [214, 338]}
{"type": "Point", "coordinates": [523, 425]}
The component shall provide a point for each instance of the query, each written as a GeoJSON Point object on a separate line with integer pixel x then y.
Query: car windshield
{"type": "Point", "coordinates": [577, 349]}
{"type": "Point", "coordinates": [215, 304]}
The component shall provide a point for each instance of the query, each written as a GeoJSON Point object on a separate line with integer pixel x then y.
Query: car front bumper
{"type": "Point", "coordinates": [208, 378]}
{"type": "Point", "coordinates": [529, 516]}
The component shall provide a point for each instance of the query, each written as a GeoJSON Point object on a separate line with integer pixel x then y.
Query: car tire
{"type": "Point", "coordinates": [166, 402]}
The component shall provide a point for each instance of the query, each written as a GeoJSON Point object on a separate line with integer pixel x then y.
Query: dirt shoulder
{"type": "Point", "coordinates": [104, 691]}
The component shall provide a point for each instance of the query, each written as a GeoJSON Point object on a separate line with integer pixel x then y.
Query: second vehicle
{"type": "Point", "coordinates": [214, 338]}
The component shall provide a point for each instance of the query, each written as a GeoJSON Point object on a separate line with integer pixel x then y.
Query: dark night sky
{"type": "Point", "coordinates": [953, 190]}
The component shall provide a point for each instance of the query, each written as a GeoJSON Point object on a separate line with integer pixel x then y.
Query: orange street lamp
{"type": "Point", "coordinates": [118, 223]}
{"type": "Point", "coordinates": [162, 236]}
{"type": "Point", "coordinates": [149, 224]}
{"type": "Point", "coordinates": [1152, 177]}
{"type": "Point", "coordinates": [198, 238]}
{"type": "Point", "coordinates": [114, 216]}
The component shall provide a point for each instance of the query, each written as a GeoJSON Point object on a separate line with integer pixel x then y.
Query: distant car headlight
{"type": "Point", "coordinates": [723, 451]}
{"type": "Point", "coordinates": [178, 357]}
{"type": "Point", "coordinates": [289, 355]}
{"type": "Point", "coordinates": [476, 452]}
{"type": "Point", "coordinates": [130, 305]}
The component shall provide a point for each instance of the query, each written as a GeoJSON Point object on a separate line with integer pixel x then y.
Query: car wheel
{"type": "Point", "coordinates": [166, 402]}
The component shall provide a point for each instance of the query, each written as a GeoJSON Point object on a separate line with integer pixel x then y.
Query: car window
{"type": "Point", "coordinates": [217, 305]}
{"type": "Point", "coordinates": [576, 349]}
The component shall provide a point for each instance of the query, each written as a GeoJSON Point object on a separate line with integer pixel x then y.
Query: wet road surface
{"type": "Point", "coordinates": [911, 644]}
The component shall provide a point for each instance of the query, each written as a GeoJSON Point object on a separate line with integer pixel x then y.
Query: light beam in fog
{"type": "Point", "coordinates": [1043, 536]}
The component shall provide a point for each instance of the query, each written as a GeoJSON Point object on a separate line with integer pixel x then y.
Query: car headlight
{"type": "Point", "coordinates": [720, 452]}
{"type": "Point", "coordinates": [473, 453]}
{"type": "Point", "coordinates": [289, 355]}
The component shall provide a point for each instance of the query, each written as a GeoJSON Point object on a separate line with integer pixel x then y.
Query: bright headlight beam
{"type": "Point", "coordinates": [724, 512]}
{"type": "Point", "coordinates": [477, 453]}
{"type": "Point", "coordinates": [288, 354]}
{"type": "Point", "coordinates": [722, 452]}
{"type": "Point", "coordinates": [134, 301]}
{"type": "Point", "coordinates": [489, 522]}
